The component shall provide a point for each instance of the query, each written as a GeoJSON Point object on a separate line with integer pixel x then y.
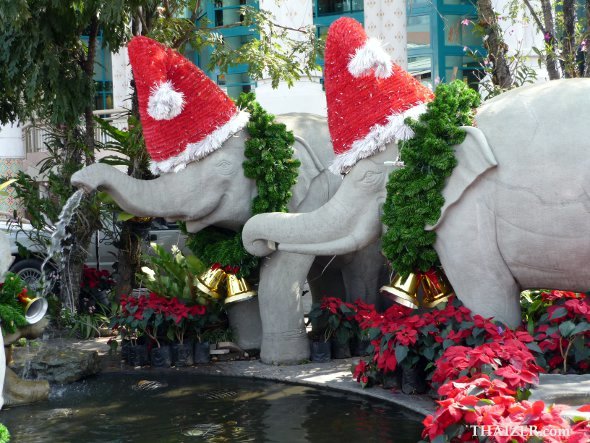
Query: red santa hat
{"type": "Point", "coordinates": [368, 96]}
{"type": "Point", "coordinates": [184, 115]}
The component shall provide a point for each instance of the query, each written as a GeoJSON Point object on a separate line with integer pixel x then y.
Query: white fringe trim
{"type": "Point", "coordinates": [371, 55]}
{"type": "Point", "coordinates": [200, 149]}
{"type": "Point", "coordinates": [165, 102]}
{"type": "Point", "coordinates": [376, 140]}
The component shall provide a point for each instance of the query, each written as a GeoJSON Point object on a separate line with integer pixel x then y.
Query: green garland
{"type": "Point", "coordinates": [269, 161]}
{"type": "Point", "coordinates": [414, 192]}
{"type": "Point", "coordinates": [12, 313]}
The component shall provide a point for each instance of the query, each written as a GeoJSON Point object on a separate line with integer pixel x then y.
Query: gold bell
{"type": "Point", "coordinates": [437, 288]}
{"type": "Point", "coordinates": [35, 308]}
{"type": "Point", "coordinates": [210, 281]}
{"type": "Point", "coordinates": [238, 290]}
{"type": "Point", "coordinates": [403, 291]}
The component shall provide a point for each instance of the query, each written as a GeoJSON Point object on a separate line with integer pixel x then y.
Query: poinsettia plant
{"type": "Point", "coordinates": [335, 318]}
{"type": "Point", "coordinates": [563, 332]}
{"type": "Point", "coordinates": [484, 409]}
{"type": "Point", "coordinates": [181, 318]}
{"type": "Point", "coordinates": [93, 286]}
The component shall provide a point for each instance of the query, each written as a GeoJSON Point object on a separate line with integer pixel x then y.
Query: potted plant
{"type": "Point", "coordinates": [153, 321]}
{"type": "Point", "coordinates": [133, 349]}
{"type": "Point", "coordinates": [333, 320]}
{"type": "Point", "coordinates": [181, 319]}
{"type": "Point", "coordinates": [360, 344]}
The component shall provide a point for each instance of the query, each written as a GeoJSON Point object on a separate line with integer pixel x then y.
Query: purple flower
{"type": "Point", "coordinates": [465, 22]}
{"type": "Point", "coordinates": [547, 37]}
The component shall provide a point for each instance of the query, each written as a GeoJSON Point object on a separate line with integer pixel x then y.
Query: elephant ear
{"type": "Point", "coordinates": [310, 168]}
{"type": "Point", "coordinates": [474, 158]}
{"type": "Point", "coordinates": [312, 148]}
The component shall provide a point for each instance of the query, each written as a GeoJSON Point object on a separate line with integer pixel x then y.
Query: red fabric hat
{"type": "Point", "coordinates": [185, 116]}
{"type": "Point", "coordinates": [368, 96]}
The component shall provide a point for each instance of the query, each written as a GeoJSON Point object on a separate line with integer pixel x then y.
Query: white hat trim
{"type": "Point", "coordinates": [202, 148]}
{"type": "Point", "coordinates": [371, 55]}
{"type": "Point", "coordinates": [165, 102]}
{"type": "Point", "coordinates": [376, 140]}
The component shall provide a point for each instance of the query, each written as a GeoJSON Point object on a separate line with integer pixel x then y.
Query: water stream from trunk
{"type": "Point", "coordinates": [57, 247]}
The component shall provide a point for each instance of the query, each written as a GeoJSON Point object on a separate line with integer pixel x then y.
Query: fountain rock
{"type": "Point", "coordinates": [59, 365]}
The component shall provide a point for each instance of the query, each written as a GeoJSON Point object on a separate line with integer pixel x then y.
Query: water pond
{"type": "Point", "coordinates": [184, 407]}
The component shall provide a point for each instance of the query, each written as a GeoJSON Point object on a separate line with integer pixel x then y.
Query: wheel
{"type": "Point", "coordinates": [29, 270]}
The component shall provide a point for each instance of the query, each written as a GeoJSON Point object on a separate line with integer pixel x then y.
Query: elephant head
{"type": "Point", "coordinates": [348, 222]}
{"type": "Point", "coordinates": [213, 191]}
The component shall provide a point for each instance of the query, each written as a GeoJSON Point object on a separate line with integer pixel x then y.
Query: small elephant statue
{"type": "Point", "coordinates": [16, 391]}
{"type": "Point", "coordinates": [517, 205]}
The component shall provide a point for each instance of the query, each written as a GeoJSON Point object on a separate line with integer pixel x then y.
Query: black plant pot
{"type": "Point", "coordinates": [391, 380]}
{"type": "Point", "coordinates": [358, 347]}
{"type": "Point", "coordinates": [340, 350]}
{"type": "Point", "coordinates": [137, 355]}
{"type": "Point", "coordinates": [414, 380]}
{"type": "Point", "coordinates": [321, 351]}
{"type": "Point", "coordinates": [202, 354]}
{"type": "Point", "coordinates": [125, 344]}
{"type": "Point", "coordinates": [161, 357]}
{"type": "Point", "coordinates": [182, 354]}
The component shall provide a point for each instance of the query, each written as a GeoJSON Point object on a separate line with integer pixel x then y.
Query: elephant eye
{"type": "Point", "coordinates": [371, 177]}
{"type": "Point", "coordinates": [224, 166]}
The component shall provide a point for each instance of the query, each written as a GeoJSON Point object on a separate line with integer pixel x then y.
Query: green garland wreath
{"type": "Point", "coordinates": [414, 192]}
{"type": "Point", "coordinates": [269, 161]}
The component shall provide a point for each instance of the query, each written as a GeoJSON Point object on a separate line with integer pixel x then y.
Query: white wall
{"type": "Point", "coordinates": [11, 141]}
{"type": "Point", "coordinates": [121, 79]}
{"type": "Point", "coordinates": [306, 95]}
{"type": "Point", "coordinates": [386, 20]}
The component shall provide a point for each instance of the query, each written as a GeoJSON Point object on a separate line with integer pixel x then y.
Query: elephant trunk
{"type": "Point", "coordinates": [143, 198]}
{"type": "Point", "coordinates": [335, 228]}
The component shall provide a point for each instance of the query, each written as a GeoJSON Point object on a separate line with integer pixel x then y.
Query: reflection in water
{"type": "Point", "coordinates": [187, 409]}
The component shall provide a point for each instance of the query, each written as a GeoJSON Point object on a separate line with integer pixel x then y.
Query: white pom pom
{"type": "Point", "coordinates": [371, 56]}
{"type": "Point", "coordinates": [165, 103]}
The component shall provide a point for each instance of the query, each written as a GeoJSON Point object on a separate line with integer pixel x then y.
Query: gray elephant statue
{"type": "Point", "coordinates": [516, 211]}
{"type": "Point", "coordinates": [195, 135]}
{"type": "Point", "coordinates": [214, 192]}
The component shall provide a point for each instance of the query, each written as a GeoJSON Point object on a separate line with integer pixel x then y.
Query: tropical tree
{"type": "Point", "coordinates": [564, 52]}
{"type": "Point", "coordinates": [47, 63]}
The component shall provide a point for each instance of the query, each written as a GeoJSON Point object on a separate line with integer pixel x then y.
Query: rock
{"type": "Point", "coordinates": [62, 365]}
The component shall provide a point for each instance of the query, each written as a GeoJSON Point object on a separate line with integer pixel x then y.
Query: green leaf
{"type": "Point", "coordinates": [400, 353]}
{"type": "Point", "coordinates": [533, 346]}
{"type": "Point", "coordinates": [558, 313]}
{"type": "Point", "coordinates": [581, 327]}
{"type": "Point", "coordinates": [373, 333]}
{"type": "Point", "coordinates": [124, 216]}
{"type": "Point", "coordinates": [566, 328]}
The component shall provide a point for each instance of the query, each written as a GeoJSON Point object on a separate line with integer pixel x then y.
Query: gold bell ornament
{"type": "Point", "coordinates": [210, 281]}
{"type": "Point", "coordinates": [238, 290]}
{"type": "Point", "coordinates": [403, 291]}
{"type": "Point", "coordinates": [423, 289]}
{"type": "Point", "coordinates": [35, 308]}
{"type": "Point", "coordinates": [436, 286]}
